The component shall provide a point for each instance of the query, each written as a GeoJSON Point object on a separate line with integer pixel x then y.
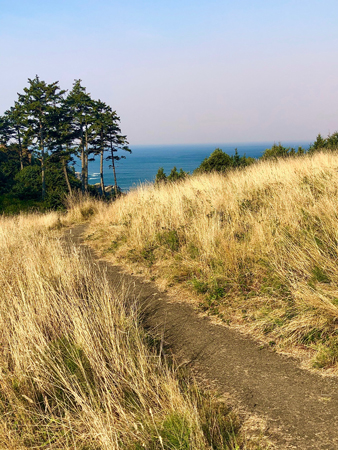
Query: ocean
{"type": "Point", "coordinates": [142, 165]}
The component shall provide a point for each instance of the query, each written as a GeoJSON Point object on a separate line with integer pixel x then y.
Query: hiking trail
{"type": "Point", "coordinates": [300, 407]}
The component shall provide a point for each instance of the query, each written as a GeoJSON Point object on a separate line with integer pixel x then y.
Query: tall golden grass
{"type": "Point", "coordinates": [258, 245]}
{"type": "Point", "coordinates": [75, 370]}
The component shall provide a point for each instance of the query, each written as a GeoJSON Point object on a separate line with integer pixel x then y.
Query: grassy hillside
{"type": "Point", "coordinates": [75, 368]}
{"type": "Point", "coordinates": [258, 247]}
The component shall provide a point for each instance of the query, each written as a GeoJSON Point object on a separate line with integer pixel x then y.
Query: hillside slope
{"type": "Point", "coordinates": [257, 247]}
{"type": "Point", "coordinates": [77, 370]}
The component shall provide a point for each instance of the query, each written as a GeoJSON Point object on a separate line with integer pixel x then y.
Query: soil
{"type": "Point", "coordinates": [299, 407]}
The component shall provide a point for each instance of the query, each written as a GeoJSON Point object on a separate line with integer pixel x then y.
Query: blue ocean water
{"type": "Point", "coordinates": [142, 165]}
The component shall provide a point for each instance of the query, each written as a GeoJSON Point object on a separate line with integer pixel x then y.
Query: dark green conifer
{"type": "Point", "coordinates": [37, 102]}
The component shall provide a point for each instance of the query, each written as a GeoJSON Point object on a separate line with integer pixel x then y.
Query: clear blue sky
{"type": "Point", "coordinates": [184, 71]}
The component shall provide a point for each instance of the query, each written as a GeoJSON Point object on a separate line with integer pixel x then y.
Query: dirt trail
{"type": "Point", "coordinates": [301, 406]}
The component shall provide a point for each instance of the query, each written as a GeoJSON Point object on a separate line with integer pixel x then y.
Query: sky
{"type": "Point", "coordinates": [184, 71]}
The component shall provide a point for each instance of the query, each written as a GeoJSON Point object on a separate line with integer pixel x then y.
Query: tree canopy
{"type": "Point", "coordinates": [220, 161]}
{"type": "Point", "coordinates": [45, 129]}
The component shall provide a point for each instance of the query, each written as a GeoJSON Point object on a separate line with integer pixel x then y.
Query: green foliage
{"type": "Point", "coordinates": [9, 166]}
{"type": "Point", "coordinates": [170, 239]}
{"type": "Point", "coordinates": [314, 335]}
{"type": "Point", "coordinates": [175, 433]}
{"type": "Point", "coordinates": [11, 205]}
{"type": "Point", "coordinates": [28, 183]}
{"type": "Point", "coordinates": [327, 355]}
{"type": "Point", "coordinates": [220, 161]}
{"type": "Point", "coordinates": [174, 175]}
{"type": "Point", "coordinates": [329, 143]}
{"type": "Point", "coordinates": [161, 177]}
{"type": "Point", "coordinates": [200, 287]}
{"type": "Point", "coordinates": [220, 426]}
{"type": "Point", "coordinates": [148, 254]}
{"type": "Point", "coordinates": [72, 360]}
{"type": "Point", "coordinates": [278, 151]}
{"type": "Point", "coordinates": [42, 132]}
{"type": "Point", "coordinates": [319, 274]}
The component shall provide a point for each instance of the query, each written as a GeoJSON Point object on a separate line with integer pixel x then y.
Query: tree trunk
{"type": "Point", "coordinates": [114, 172]}
{"type": "Point", "coordinates": [83, 163]}
{"type": "Point", "coordinates": [86, 159]}
{"type": "Point", "coordinates": [42, 148]}
{"type": "Point", "coordinates": [20, 150]}
{"type": "Point", "coordinates": [86, 172]}
{"type": "Point", "coordinates": [101, 175]}
{"type": "Point", "coordinates": [64, 167]}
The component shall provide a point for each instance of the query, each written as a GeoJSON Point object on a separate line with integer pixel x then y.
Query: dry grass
{"type": "Point", "coordinates": [75, 372]}
{"type": "Point", "coordinates": [80, 207]}
{"type": "Point", "coordinates": [258, 246]}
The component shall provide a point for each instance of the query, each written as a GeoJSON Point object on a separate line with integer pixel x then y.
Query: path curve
{"type": "Point", "coordinates": [302, 405]}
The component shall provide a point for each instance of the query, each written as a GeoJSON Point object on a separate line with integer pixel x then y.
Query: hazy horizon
{"type": "Point", "coordinates": [184, 72]}
{"type": "Point", "coordinates": [193, 144]}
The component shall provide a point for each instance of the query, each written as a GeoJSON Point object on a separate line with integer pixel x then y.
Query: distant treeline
{"type": "Point", "coordinates": [47, 127]}
{"type": "Point", "coordinates": [42, 133]}
{"type": "Point", "coordinates": [220, 161]}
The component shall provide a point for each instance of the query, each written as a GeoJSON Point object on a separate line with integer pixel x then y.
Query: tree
{"type": "Point", "coordinates": [218, 161]}
{"type": "Point", "coordinates": [116, 141]}
{"type": "Point", "coordinates": [161, 177]}
{"type": "Point", "coordinates": [61, 134]}
{"type": "Point", "coordinates": [105, 133]}
{"type": "Point", "coordinates": [37, 101]}
{"type": "Point", "coordinates": [319, 144]}
{"type": "Point", "coordinates": [45, 129]}
{"type": "Point", "coordinates": [9, 167]}
{"type": "Point", "coordinates": [18, 127]}
{"type": "Point", "coordinates": [99, 141]}
{"type": "Point", "coordinates": [332, 141]}
{"type": "Point", "coordinates": [174, 175]}
{"type": "Point", "coordinates": [278, 151]}
{"type": "Point", "coordinates": [81, 106]}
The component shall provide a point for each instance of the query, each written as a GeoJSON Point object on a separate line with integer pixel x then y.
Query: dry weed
{"type": "Point", "coordinates": [259, 246]}
{"type": "Point", "coordinates": [75, 372]}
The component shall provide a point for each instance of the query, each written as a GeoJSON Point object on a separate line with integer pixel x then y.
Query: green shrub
{"type": "Point", "coordinates": [218, 161]}
{"type": "Point", "coordinates": [278, 151]}
{"type": "Point", "coordinates": [327, 355]}
{"type": "Point", "coordinates": [170, 239]}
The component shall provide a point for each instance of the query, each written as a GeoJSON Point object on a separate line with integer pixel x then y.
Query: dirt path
{"type": "Point", "coordinates": [302, 406]}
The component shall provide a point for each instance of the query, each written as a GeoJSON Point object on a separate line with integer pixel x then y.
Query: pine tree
{"type": "Point", "coordinates": [106, 136]}
{"type": "Point", "coordinates": [319, 143]}
{"type": "Point", "coordinates": [99, 141]}
{"type": "Point", "coordinates": [82, 105]}
{"type": "Point", "coordinates": [37, 101]}
{"type": "Point", "coordinates": [18, 127]}
{"type": "Point", "coordinates": [116, 141]}
{"type": "Point", "coordinates": [61, 135]}
{"type": "Point", "coordinates": [6, 133]}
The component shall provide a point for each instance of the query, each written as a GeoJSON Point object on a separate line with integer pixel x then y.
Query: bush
{"type": "Point", "coordinates": [329, 143]}
{"type": "Point", "coordinates": [28, 183]}
{"type": "Point", "coordinates": [220, 161]}
{"type": "Point", "coordinates": [278, 151]}
{"type": "Point", "coordinates": [161, 177]}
